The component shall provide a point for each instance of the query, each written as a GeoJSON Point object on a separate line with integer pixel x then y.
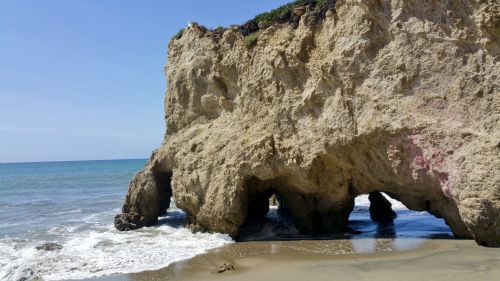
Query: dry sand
{"type": "Point", "coordinates": [342, 259]}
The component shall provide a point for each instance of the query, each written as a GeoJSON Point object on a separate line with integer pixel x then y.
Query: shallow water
{"type": "Point", "coordinates": [409, 225]}
{"type": "Point", "coordinates": [73, 204]}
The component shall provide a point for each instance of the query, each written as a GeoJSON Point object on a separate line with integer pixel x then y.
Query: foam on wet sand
{"type": "Point", "coordinates": [417, 246]}
{"type": "Point", "coordinates": [342, 259]}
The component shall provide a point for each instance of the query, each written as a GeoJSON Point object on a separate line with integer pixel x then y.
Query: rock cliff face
{"type": "Point", "coordinates": [399, 96]}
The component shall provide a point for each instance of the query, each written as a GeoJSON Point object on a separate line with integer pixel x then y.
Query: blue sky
{"type": "Point", "coordinates": [83, 79]}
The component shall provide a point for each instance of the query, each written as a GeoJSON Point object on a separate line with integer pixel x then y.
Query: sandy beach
{"type": "Point", "coordinates": [416, 246]}
{"type": "Point", "coordinates": [342, 259]}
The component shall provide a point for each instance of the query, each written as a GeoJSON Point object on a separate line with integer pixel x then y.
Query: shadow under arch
{"type": "Point", "coordinates": [268, 217]}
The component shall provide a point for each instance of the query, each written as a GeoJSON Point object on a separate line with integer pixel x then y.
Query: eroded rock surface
{"type": "Point", "coordinates": [148, 197]}
{"type": "Point", "coordinates": [396, 96]}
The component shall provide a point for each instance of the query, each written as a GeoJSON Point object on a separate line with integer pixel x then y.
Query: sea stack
{"type": "Point", "coordinates": [330, 101]}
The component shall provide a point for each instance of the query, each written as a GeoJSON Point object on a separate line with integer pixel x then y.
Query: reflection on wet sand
{"type": "Point", "coordinates": [279, 250]}
{"type": "Point", "coordinates": [346, 259]}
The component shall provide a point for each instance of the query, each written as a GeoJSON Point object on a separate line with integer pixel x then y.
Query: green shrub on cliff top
{"type": "Point", "coordinates": [179, 33]}
{"type": "Point", "coordinates": [272, 16]}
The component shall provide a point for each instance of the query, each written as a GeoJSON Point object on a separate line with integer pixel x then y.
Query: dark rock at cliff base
{"type": "Point", "coordinates": [49, 246]}
{"type": "Point", "coordinates": [124, 223]}
{"type": "Point", "coordinates": [152, 199]}
{"type": "Point", "coordinates": [380, 208]}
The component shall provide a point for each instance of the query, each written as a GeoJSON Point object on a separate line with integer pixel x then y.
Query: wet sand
{"type": "Point", "coordinates": [339, 259]}
{"type": "Point", "coordinates": [416, 246]}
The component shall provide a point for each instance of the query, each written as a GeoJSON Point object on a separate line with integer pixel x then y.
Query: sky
{"type": "Point", "coordinates": [83, 79]}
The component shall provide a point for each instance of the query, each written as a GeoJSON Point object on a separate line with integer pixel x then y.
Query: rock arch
{"type": "Point", "coordinates": [389, 100]}
{"type": "Point", "coordinates": [149, 197]}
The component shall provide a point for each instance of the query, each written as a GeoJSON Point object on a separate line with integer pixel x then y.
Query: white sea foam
{"type": "Point", "coordinates": [79, 210]}
{"type": "Point", "coordinates": [103, 251]}
{"type": "Point", "coordinates": [363, 201]}
{"type": "Point", "coordinates": [95, 249]}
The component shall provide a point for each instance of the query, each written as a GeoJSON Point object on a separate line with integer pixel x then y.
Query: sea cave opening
{"type": "Point", "coordinates": [277, 211]}
{"type": "Point", "coordinates": [164, 190]}
{"type": "Point", "coordinates": [380, 215]}
{"type": "Point", "coordinates": [268, 217]}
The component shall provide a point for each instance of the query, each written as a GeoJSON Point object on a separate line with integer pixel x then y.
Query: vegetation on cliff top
{"type": "Point", "coordinates": [284, 14]}
{"type": "Point", "coordinates": [288, 13]}
{"type": "Point", "coordinates": [179, 33]}
{"type": "Point", "coordinates": [285, 11]}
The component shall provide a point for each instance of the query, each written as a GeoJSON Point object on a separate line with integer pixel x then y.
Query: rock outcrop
{"type": "Point", "coordinates": [148, 197]}
{"type": "Point", "coordinates": [396, 96]}
{"type": "Point", "coordinates": [380, 208]}
{"type": "Point", "coordinates": [49, 246]}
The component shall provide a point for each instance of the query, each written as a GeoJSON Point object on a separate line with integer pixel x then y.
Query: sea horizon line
{"type": "Point", "coordinates": [62, 161]}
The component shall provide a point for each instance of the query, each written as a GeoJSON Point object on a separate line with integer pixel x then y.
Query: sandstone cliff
{"type": "Point", "coordinates": [399, 96]}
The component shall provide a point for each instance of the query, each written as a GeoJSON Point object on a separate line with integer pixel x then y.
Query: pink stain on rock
{"type": "Point", "coordinates": [408, 153]}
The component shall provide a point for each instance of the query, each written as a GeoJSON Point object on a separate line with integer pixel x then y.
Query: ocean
{"type": "Point", "coordinates": [74, 203]}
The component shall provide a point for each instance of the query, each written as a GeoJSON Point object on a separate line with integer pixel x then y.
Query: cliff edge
{"type": "Point", "coordinates": [331, 102]}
